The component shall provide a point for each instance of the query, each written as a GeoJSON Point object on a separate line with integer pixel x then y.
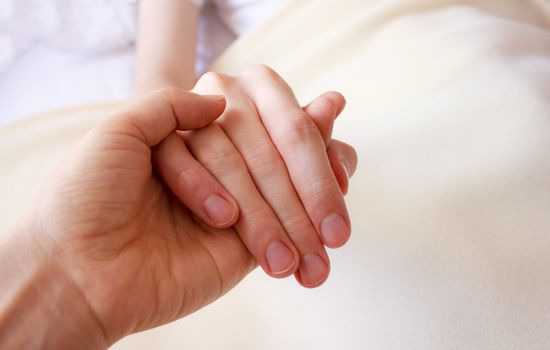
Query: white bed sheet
{"type": "Point", "coordinates": [45, 79]}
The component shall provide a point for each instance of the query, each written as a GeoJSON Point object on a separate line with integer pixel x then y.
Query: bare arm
{"type": "Point", "coordinates": [39, 307]}
{"type": "Point", "coordinates": [166, 45]}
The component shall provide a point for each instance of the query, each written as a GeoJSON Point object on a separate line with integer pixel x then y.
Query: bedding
{"type": "Point", "coordinates": [57, 53]}
{"type": "Point", "coordinates": [448, 107]}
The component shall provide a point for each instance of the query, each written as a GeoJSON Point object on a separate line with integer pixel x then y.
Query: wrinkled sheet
{"type": "Point", "coordinates": [58, 53]}
{"type": "Point", "coordinates": [449, 109]}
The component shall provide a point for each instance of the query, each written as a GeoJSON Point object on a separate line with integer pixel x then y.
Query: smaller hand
{"type": "Point", "coordinates": [279, 163]}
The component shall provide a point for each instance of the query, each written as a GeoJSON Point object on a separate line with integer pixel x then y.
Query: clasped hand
{"type": "Point", "coordinates": [166, 206]}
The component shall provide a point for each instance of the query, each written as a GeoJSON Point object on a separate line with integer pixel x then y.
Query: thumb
{"type": "Point", "coordinates": [324, 110]}
{"type": "Point", "coordinates": [155, 116]}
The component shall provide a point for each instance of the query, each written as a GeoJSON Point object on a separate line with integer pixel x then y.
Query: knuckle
{"type": "Point", "coordinates": [234, 116]}
{"type": "Point", "coordinates": [215, 80]}
{"type": "Point", "coordinates": [318, 189]}
{"type": "Point", "coordinates": [260, 219]}
{"type": "Point", "coordinates": [300, 130]}
{"type": "Point", "coordinates": [220, 159]}
{"type": "Point", "coordinates": [296, 222]}
{"type": "Point", "coordinates": [169, 93]}
{"type": "Point", "coordinates": [186, 176]}
{"type": "Point", "coordinates": [256, 213]}
{"type": "Point", "coordinates": [262, 70]}
{"type": "Point", "coordinates": [263, 159]}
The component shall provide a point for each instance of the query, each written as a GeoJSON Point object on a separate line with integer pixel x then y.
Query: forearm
{"type": "Point", "coordinates": [165, 54]}
{"type": "Point", "coordinates": [40, 308]}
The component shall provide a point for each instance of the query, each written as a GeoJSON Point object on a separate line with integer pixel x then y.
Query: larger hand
{"type": "Point", "coordinates": [131, 249]}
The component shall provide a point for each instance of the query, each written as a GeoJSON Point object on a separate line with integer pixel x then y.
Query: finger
{"type": "Point", "coordinates": [258, 227]}
{"type": "Point", "coordinates": [324, 110]}
{"type": "Point", "coordinates": [297, 138]}
{"type": "Point", "coordinates": [242, 125]}
{"type": "Point", "coordinates": [157, 115]}
{"type": "Point", "coordinates": [343, 160]}
{"type": "Point", "coordinates": [193, 184]}
{"type": "Point", "coordinates": [338, 99]}
{"type": "Point", "coordinates": [269, 172]}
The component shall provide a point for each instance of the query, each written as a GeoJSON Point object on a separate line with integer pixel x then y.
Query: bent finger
{"type": "Point", "coordinates": [258, 226]}
{"type": "Point", "coordinates": [193, 184]}
{"type": "Point", "coordinates": [242, 125]}
{"type": "Point", "coordinates": [343, 160]}
{"type": "Point", "coordinates": [297, 138]}
{"type": "Point", "coordinates": [324, 110]}
{"type": "Point", "coordinates": [154, 117]}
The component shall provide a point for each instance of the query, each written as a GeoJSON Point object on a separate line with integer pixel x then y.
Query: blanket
{"type": "Point", "coordinates": [449, 109]}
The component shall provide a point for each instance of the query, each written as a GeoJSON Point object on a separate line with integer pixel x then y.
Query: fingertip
{"type": "Point", "coordinates": [339, 244]}
{"type": "Point", "coordinates": [322, 111]}
{"type": "Point", "coordinates": [337, 99]}
{"type": "Point", "coordinates": [217, 105]}
{"type": "Point", "coordinates": [322, 107]}
{"type": "Point", "coordinates": [282, 260]}
{"type": "Point", "coordinates": [313, 271]}
{"type": "Point", "coordinates": [191, 110]}
{"type": "Point", "coordinates": [335, 230]}
{"type": "Point", "coordinates": [219, 100]}
{"type": "Point", "coordinates": [221, 211]}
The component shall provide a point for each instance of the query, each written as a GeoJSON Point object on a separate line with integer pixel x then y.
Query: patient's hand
{"type": "Point", "coordinates": [278, 161]}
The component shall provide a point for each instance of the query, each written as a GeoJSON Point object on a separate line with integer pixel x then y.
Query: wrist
{"type": "Point", "coordinates": [40, 306]}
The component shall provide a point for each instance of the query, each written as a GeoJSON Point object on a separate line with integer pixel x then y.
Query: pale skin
{"type": "Point", "coordinates": [303, 209]}
{"type": "Point", "coordinates": [167, 36]}
{"type": "Point", "coordinates": [280, 173]}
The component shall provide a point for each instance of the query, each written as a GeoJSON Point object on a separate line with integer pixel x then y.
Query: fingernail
{"type": "Point", "coordinates": [334, 230]}
{"type": "Point", "coordinates": [279, 258]}
{"type": "Point", "coordinates": [345, 167]}
{"type": "Point", "coordinates": [219, 209]}
{"type": "Point", "coordinates": [344, 183]}
{"type": "Point", "coordinates": [313, 270]}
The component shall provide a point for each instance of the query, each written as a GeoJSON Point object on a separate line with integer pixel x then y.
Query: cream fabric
{"type": "Point", "coordinates": [449, 109]}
